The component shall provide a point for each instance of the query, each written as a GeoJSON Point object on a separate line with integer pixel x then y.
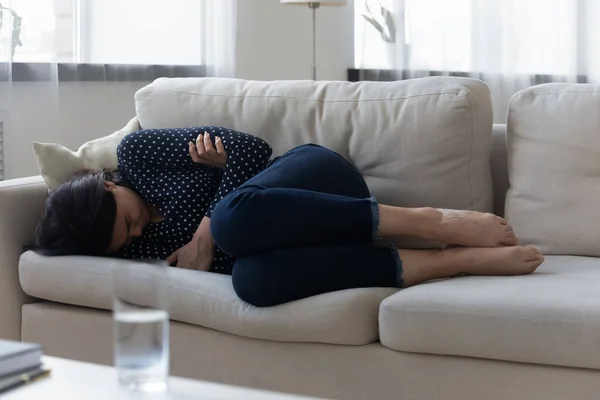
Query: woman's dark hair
{"type": "Point", "coordinates": [79, 216]}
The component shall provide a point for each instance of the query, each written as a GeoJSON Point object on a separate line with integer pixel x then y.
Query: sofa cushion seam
{"type": "Point", "coordinates": [394, 311]}
{"type": "Point", "coordinates": [456, 93]}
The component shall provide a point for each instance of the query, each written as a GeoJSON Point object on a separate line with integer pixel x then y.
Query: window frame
{"type": "Point", "coordinates": [73, 72]}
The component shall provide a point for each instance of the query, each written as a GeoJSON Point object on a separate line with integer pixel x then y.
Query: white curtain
{"type": "Point", "coordinates": [510, 44]}
{"type": "Point", "coordinates": [52, 50]}
{"type": "Point", "coordinates": [219, 37]}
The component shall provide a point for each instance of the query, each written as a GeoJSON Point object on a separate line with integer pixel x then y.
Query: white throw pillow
{"type": "Point", "coordinates": [58, 163]}
{"type": "Point", "coordinates": [553, 133]}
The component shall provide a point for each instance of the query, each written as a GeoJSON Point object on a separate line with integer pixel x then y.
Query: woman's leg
{"type": "Point", "coordinates": [303, 198]}
{"type": "Point", "coordinates": [312, 196]}
{"type": "Point", "coordinates": [458, 227]}
{"type": "Point", "coordinates": [280, 276]}
{"type": "Point", "coordinates": [423, 265]}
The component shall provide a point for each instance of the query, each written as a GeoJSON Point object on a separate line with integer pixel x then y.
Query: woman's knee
{"type": "Point", "coordinates": [228, 222]}
{"type": "Point", "coordinates": [222, 226]}
{"type": "Point", "coordinates": [251, 285]}
{"type": "Point", "coordinates": [337, 174]}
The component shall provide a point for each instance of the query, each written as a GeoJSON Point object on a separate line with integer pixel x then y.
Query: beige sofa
{"type": "Point", "coordinates": [422, 142]}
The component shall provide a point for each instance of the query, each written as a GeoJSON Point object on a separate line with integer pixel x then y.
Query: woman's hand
{"type": "Point", "coordinates": [197, 254]}
{"type": "Point", "coordinates": [204, 152]}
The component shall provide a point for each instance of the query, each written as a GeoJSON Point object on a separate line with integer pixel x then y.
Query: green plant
{"type": "Point", "coordinates": [384, 22]}
{"type": "Point", "coordinates": [16, 28]}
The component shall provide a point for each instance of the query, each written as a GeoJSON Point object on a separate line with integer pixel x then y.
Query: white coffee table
{"type": "Point", "coordinates": [74, 380]}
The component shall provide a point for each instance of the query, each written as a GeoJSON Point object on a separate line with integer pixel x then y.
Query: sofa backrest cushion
{"type": "Point", "coordinates": [553, 134]}
{"type": "Point", "coordinates": [421, 142]}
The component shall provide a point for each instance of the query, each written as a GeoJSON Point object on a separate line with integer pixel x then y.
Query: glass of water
{"type": "Point", "coordinates": [141, 324]}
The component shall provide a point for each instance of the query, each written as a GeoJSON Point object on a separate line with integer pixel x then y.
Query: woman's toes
{"type": "Point", "coordinates": [501, 220]}
{"type": "Point", "coordinates": [534, 264]}
{"type": "Point", "coordinates": [510, 240]}
{"type": "Point", "coordinates": [533, 250]}
{"type": "Point", "coordinates": [530, 253]}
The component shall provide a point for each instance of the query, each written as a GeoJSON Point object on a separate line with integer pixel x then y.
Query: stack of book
{"type": "Point", "coordinates": [20, 364]}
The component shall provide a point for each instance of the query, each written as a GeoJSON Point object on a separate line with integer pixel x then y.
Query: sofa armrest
{"type": "Point", "coordinates": [21, 204]}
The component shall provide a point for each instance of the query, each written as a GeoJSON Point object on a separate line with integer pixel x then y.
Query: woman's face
{"type": "Point", "coordinates": [131, 219]}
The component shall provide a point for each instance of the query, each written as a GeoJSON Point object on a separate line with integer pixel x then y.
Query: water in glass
{"type": "Point", "coordinates": [141, 326]}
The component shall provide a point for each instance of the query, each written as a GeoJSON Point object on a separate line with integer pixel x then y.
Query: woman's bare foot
{"type": "Point", "coordinates": [472, 229]}
{"type": "Point", "coordinates": [463, 228]}
{"type": "Point", "coordinates": [424, 265]}
{"type": "Point", "coordinates": [516, 260]}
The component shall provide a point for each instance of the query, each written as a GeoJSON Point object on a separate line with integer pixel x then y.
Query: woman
{"type": "Point", "coordinates": [207, 198]}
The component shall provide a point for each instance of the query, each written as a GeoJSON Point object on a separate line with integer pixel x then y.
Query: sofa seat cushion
{"type": "Point", "coordinates": [550, 317]}
{"type": "Point", "coordinates": [207, 299]}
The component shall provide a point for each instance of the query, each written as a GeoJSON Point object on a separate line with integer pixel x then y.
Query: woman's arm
{"type": "Point", "coordinates": [154, 150]}
{"type": "Point", "coordinates": [247, 155]}
{"type": "Point", "coordinates": [169, 148]}
{"type": "Point", "coordinates": [198, 254]}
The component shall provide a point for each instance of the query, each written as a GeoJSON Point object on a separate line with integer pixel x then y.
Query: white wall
{"type": "Point", "coordinates": [87, 110]}
{"type": "Point", "coordinates": [274, 42]}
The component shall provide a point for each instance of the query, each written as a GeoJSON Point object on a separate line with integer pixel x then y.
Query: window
{"type": "Point", "coordinates": [370, 50]}
{"type": "Point", "coordinates": [494, 36]}
{"type": "Point", "coordinates": [104, 31]}
{"type": "Point", "coordinates": [36, 21]}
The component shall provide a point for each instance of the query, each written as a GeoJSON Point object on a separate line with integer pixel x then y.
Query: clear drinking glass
{"type": "Point", "coordinates": [141, 324]}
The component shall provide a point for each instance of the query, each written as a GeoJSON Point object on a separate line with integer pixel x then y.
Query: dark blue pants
{"type": "Point", "coordinates": [305, 225]}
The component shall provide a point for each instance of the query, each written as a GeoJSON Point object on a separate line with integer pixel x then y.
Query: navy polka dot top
{"type": "Point", "coordinates": [157, 163]}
